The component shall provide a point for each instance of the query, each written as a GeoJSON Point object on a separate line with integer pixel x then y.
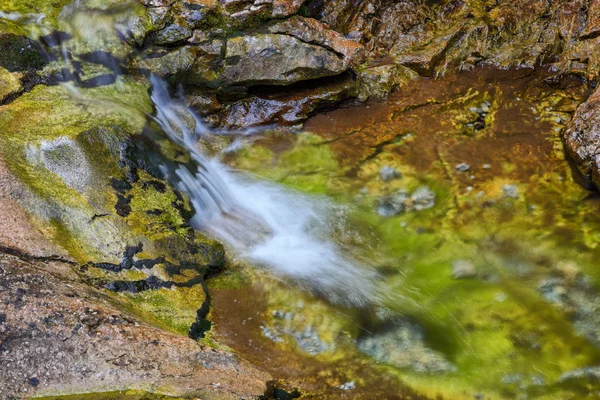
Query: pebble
{"type": "Point", "coordinates": [462, 167]}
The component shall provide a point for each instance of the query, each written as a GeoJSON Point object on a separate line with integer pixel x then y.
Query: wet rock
{"type": "Point", "coordinates": [157, 3]}
{"type": "Point", "coordinates": [166, 64]}
{"type": "Point", "coordinates": [578, 298]}
{"type": "Point", "coordinates": [380, 81]}
{"type": "Point", "coordinates": [582, 139]}
{"type": "Point", "coordinates": [65, 158]}
{"type": "Point", "coordinates": [422, 198]}
{"type": "Point", "coordinates": [388, 173]}
{"type": "Point", "coordinates": [285, 8]}
{"type": "Point", "coordinates": [264, 60]}
{"type": "Point", "coordinates": [402, 344]}
{"type": "Point", "coordinates": [591, 374]}
{"type": "Point", "coordinates": [437, 37]}
{"type": "Point", "coordinates": [172, 33]}
{"type": "Point", "coordinates": [463, 269]}
{"type": "Point", "coordinates": [511, 191]}
{"type": "Point", "coordinates": [285, 108]}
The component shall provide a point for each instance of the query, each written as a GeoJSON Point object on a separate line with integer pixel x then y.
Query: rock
{"type": "Point", "coordinates": [166, 64]}
{"type": "Point", "coordinates": [171, 34]}
{"type": "Point", "coordinates": [463, 269]}
{"type": "Point", "coordinates": [591, 374]}
{"type": "Point", "coordinates": [511, 191]}
{"type": "Point", "coordinates": [402, 344]}
{"type": "Point", "coordinates": [60, 336]}
{"type": "Point", "coordinates": [421, 199]}
{"type": "Point", "coordinates": [348, 386]}
{"type": "Point", "coordinates": [157, 3]}
{"type": "Point", "coordinates": [582, 139]}
{"type": "Point", "coordinates": [388, 173]}
{"type": "Point", "coordinates": [285, 8]}
{"type": "Point", "coordinates": [264, 60]}
{"type": "Point", "coordinates": [380, 81]}
{"type": "Point", "coordinates": [314, 32]}
{"type": "Point", "coordinates": [578, 298]}
{"type": "Point", "coordinates": [462, 167]}
{"type": "Point", "coordinates": [436, 37]}
{"type": "Point", "coordinates": [284, 108]}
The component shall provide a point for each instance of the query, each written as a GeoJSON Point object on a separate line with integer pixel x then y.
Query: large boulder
{"type": "Point", "coordinates": [273, 59]}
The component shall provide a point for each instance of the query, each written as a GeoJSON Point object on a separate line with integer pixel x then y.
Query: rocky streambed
{"type": "Point", "coordinates": [444, 154]}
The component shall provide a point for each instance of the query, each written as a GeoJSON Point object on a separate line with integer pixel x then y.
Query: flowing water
{"type": "Point", "coordinates": [435, 241]}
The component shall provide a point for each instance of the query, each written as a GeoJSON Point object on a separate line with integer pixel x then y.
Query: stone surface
{"type": "Point", "coordinates": [582, 139]}
{"type": "Point", "coordinates": [312, 31]}
{"type": "Point", "coordinates": [59, 336]}
{"type": "Point", "coordinates": [402, 345]}
{"type": "Point", "coordinates": [284, 108]}
{"type": "Point", "coordinates": [265, 60]}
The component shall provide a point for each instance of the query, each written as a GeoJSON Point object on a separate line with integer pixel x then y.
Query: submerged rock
{"type": "Point", "coordinates": [421, 199]}
{"type": "Point", "coordinates": [511, 191]}
{"type": "Point", "coordinates": [388, 173]}
{"type": "Point", "coordinates": [463, 269]}
{"type": "Point", "coordinates": [402, 344]}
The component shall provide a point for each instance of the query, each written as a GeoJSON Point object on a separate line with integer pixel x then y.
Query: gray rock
{"type": "Point", "coordinates": [588, 373]}
{"type": "Point", "coordinates": [403, 345]}
{"type": "Point", "coordinates": [172, 33]}
{"type": "Point", "coordinates": [423, 199]}
{"type": "Point", "coordinates": [265, 60]}
{"type": "Point", "coordinates": [388, 173]}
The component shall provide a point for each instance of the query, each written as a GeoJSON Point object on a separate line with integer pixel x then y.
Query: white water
{"type": "Point", "coordinates": [265, 224]}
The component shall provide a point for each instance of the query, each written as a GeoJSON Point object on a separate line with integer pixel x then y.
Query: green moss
{"type": "Point", "coordinates": [120, 395]}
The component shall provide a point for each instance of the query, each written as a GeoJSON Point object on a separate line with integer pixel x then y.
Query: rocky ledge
{"type": "Point", "coordinates": [234, 56]}
{"type": "Point", "coordinates": [58, 335]}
